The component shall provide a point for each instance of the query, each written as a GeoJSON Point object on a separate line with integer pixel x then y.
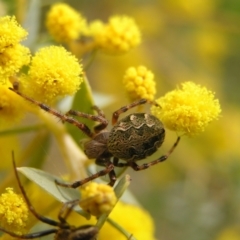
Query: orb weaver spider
{"type": "Point", "coordinates": [62, 230]}
{"type": "Point", "coordinates": [131, 138]}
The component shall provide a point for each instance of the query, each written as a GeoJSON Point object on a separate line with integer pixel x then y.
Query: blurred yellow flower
{"type": "Point", "coordinates": [64, 23]}
{"type": "Point", "coordinates": [14, 212]}
{"type": "Point", "coordinates": [12, 106]}
{"type": "Point", "coordinates": [94, 28]}
{"type": "Point", "coordinates": [97, 198]}
{"type": "Point", "coordinates": [139, 83]}
{"type": "Point", "coordinates": [187, 110]}
{"type": "Point", "coordinates": [11, 32]}
{"type": "Point", "coordinates": [210, 45]}
{"type": "Point", "coordinates": [230, 233]}
{"type": "Point", "coordinates": [53, 73]}
{"type": "Point", "coordinates": [133, 219]}
{"type": "Point", "coordinates": [190, 10]}
{"type": "Point", "coordinates": [118, 36]}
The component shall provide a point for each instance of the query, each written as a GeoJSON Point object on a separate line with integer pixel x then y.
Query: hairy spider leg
{"type": "Point", "coordinates": [136, 167]}
{"type": "Point", "coordinates": [97, 118]}
{"type": "Point", "coordinates": [64, 118]}
{"type": "Point", "coordinates": [108, 170]}
{"type": "Point", "coordinates": [124, 109]}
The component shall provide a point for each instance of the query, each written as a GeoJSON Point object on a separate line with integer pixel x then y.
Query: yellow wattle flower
{"type": "Point", "coordinates": [64, 23]}
{"type": "Point", "coordinates": [188, 109]}
{"type": "Point", "coordinates": [139, 83]}
{"type": "Point", "coordinates": [53, 73]}
{"type": "Point", "coordinates": [14, 212]}
{"type": "Point", "coordinates": [12, 59]}
{"type": "Point", "coordinates": [11, 32]}
{"type": "Point", "coordinates": [97, 198]}
{"type": "Point", "coordinates": [119, 35]}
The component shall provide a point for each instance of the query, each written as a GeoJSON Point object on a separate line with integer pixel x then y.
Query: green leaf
{"type": "Point", "coordinates": [47, 182]}
{"type": "Point", "coordinates": [83, 102]}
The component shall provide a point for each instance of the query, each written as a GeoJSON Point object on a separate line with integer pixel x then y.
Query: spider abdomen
{"type": "Point", "coordinates": [135, 137]}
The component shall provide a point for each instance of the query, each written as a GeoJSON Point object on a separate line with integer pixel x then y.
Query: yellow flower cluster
{"type": "Point", "coordinates": [118, 36]}
{"type": "Point", "coordinates": [14, 212]}
{"type": "Point", "coordinates": [97, 198]}
{"type": "Point", "coordinates": [53, 73]}
{"type": "Point", "coordinates": [64, 23]}
{"type": "Point", "coordinates": [187, 110]}
{"type": "Point", "coordinates": [13, 55]}
{"type": "Point", "coordinates": [139, 83]}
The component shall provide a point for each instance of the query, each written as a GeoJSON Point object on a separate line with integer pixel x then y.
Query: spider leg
{"type": "Point", "coordinates": [99, 111]}
{"type": "Point", "coordinates": [112, 177]}
{"type": "Point", "coordinates": [64, 117]}
{"type": "Point", "coordinates": [102, 125]}
{"type": "Point", "coordinates": [108, 169]}
{"type": "Point", "coordinates": [116, 114]}
{"type": "Point", "coordinates": [31, 235]}
{"type": "Point", "coordinates": [31, 208]}
{"type": "Point", "coordinates": [97, 118]}
{"type": "Point", "coordinates": [66, 210]}
{"type": "Point", "coordinates": [136, 167]}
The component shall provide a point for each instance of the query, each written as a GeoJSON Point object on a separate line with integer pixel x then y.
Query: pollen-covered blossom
{"type": "Point", "coordinates": [12, 106]}
{"type": "Point", "coordinates": [188, 109]}
{"type": "Point", "coordinates": [97, 198]}
{"type": "Point", "coordinates": [139, 83]}
{"type": "Point", "coordinates": [118, 36]}
{"type": "Point", "coordinates": [53, 73]}
{"type": "Point", "coordinates": [64, 23]}
{"type": "Point", "coordinates": [11, 32]}
{"type": "Point", "coordinates": [14, 212]}
{"type": "Point", "coordinates": [12, 59]}
{"type": "Point", "coordinates": [13, 55]}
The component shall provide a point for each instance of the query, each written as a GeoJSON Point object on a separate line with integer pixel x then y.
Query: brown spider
{"type": "Point", "coordinates": [131, 139]}
{"type": "Point", "coordinates": [62, 230]}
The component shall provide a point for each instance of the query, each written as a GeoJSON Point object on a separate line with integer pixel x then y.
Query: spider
{"type": "Point", "coordinates": [62, 230]}
{"type": "Point", "coordinates": [131, 138]}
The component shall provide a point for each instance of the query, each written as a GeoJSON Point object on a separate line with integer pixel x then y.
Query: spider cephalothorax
{"type": "Point", "coordinates": [131, 138]}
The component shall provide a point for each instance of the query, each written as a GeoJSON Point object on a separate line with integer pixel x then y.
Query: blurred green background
{"type": "Point", "coordinates": [195, 194]}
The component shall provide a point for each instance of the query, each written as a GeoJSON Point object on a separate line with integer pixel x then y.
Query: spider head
{"type": "Point", "coordinates": [97, 146]}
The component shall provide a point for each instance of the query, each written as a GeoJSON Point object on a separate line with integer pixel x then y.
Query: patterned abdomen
{"type": "Point", "coordinates": [135, 137]}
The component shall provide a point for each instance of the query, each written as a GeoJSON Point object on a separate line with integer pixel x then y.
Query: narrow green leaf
{"type": "Point", "coordinates": [47, 182]}
{"type": "Point", "coordinates": [128, 235]}
{"type": "Point", "coordinates": [83, 102]}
